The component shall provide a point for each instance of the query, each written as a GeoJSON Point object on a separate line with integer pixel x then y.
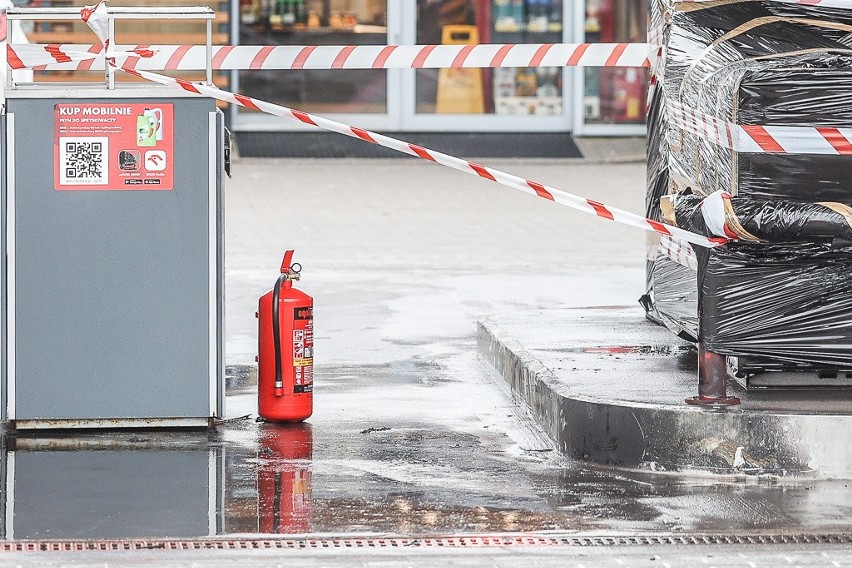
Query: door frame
{"type": "Point", "coordinates": [412, 121]}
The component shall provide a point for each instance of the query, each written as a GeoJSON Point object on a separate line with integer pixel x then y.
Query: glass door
{"type": "Point", "coordinates": [612, 100]}
{"type": "Point", "coordinates": [501, 99]}
{"type": "Point", "coordinates": [361, 97]}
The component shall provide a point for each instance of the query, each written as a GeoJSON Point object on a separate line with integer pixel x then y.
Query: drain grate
{"type": "Point", "coordinates": [422, 543]}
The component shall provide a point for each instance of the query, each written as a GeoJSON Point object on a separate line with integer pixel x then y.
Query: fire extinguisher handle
{"type": "Point", "coordinates": [288, 260]}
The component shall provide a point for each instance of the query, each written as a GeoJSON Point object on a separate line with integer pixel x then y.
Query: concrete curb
{"type": "Point", "coordinates": [660, 437]}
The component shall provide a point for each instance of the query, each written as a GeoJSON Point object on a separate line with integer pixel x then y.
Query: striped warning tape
{"type": "Point", "coordinates": [465, 166]}
{"type": "Point", "coordinates": [757, 139]}
{"type": "Point", "coordinates": [820, 3]}
{"type": "Point", "coordinates": [68, 57]}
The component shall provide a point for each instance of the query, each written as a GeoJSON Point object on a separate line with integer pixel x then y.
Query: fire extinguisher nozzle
{"type": "Point", "coordinates": [279, 392]}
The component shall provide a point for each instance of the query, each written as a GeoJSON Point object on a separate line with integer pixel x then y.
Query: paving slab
{"type": "Point", "coordinates": [608, 386]}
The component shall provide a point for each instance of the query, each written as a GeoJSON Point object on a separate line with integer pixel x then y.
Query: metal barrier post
{"type": "Point", "coordinates": [712, 381]}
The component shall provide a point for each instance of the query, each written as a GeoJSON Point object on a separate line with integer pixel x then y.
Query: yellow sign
{"type": "Point", "coordinates": [460, 91]}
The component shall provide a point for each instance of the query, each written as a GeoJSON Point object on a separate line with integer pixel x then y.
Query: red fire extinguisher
{"type": "Point", "coordinates": [285, 371]}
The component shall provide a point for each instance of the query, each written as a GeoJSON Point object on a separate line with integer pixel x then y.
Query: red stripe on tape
{"type": "Point", "coordinates": [616, 55]}
{"type": "Point", "coordinates": [539, 54]}
{"type": "Point", "coordinates": [363, 135]}
{"type": "Point", "coordinates": [481, 171]}
{"type": "Point", "coordinates": [177, 56]}
{"type": "Point", "coordinates": [765, 140]}
{"type": "Point", "coordinates": [302, 58]}
{"type": "Point", "coordinates": [341, 58]}
{"type": "Point", "coordinates": [601, 210]}
{"type": "Point", "coordinates": [12, 58]}
{"type": "Point", "coordinates": [501, 55]}
{"type": "Point", "coordinates": [421, 57]}
{"type": "Point", "coordinates": [56, 53]}
{"type": "Point", "coordinates": [261, 56]}
{"type": "Point", "coordinates": [303, 117]}
{"type": "Point", "coordinates": [421, 152]}
{"type": "Point", "coordinates": [660, 228]}
{"type": "Point", "coordinates": [729, 233]}
{"type": "Point", "coordinates": [87, 64]}
{"type": "Point", "coordinates": [539, 189]}
{"type": "Point", "coordinates": [186, 85]}
{"type": "Point", "coordinates": [221, 55]}
{"type": "Point", "coordinates": [246, 101]}
{"type": "Point", "coordinates": [577, 55]}
{"type": "Point", "coordinates": [837, 140]}
{"type": "Point", "coordinates": [133, 61]}
{"type": "Point", "coordinates": [462, 56]}
{"type": "Point", "coordinates": [383, 56]}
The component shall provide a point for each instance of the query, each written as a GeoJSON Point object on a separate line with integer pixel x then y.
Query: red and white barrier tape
{"type": "Point", "coordinates": [72, 57]}
{"type": "Point", "coordinates": [491, 174]}
{"type": "Point", "coordinates": [759, 139]}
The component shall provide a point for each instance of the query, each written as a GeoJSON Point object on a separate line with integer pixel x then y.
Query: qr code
{"type": "Point", "coordinates": [83, 161]}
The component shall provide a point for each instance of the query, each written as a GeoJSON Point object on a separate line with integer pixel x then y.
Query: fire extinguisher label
{"type": "Point", "coordinates": [303, 350]}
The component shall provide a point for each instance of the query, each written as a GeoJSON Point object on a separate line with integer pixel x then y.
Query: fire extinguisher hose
{"type": "Point", "coordinates": [276, 335]}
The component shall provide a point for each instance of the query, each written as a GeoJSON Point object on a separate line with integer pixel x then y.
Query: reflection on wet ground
{"type": "Point", "coordinates": [410, 477]}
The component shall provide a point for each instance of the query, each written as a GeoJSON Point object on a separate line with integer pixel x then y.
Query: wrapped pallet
{"type": "Point", "coordinates": [753, 104]}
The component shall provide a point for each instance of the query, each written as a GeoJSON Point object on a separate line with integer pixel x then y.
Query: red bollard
{"type": "Point", "coordinates": [712, 381]}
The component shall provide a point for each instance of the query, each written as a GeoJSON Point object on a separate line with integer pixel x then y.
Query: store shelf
{"type": "Point", "coordinates": [515, 27]}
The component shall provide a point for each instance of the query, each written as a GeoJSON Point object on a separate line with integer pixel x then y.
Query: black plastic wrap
{"type": "Point", "coordinates": [762, 63]}
{"type": "Point", "coordinates": [786, 305]}
{"type": "Point", "coordinates": [657, 187]}
{"type": "Point", "coordinates": [676, 297]}
{"type": "Point", "coordinates": [763, 301]}
{"type": "Point", "coordinates": [794, 176]}
{"type": "Point", "coordinates": [658, 182]}
{"type": "Point", "coordinates": [811, 97]}
{"type": "Point", "coordinates": [770, 221]}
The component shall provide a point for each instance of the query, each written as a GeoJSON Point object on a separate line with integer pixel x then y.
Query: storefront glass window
{"type": "Point", "coordinates": [316, 22]}
{"type": "Point", "coordinates": [518, 91]}
{"type": "Point", "coordinates": [615, 95]}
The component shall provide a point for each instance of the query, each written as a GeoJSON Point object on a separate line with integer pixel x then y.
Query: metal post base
{"type": "Point", "coordinates": [712, 381]}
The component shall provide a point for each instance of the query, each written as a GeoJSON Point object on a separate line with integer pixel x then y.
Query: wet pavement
{"type": "Point", "coordinates": [394, 472]}
{"type": "Point", "coordinates": [608, 387]}
{"type": "Point", "coordinates": [412, 434]}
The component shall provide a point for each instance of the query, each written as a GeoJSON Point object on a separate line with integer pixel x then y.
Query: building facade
{"type": "Point", "coordinates": [589, 101]}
